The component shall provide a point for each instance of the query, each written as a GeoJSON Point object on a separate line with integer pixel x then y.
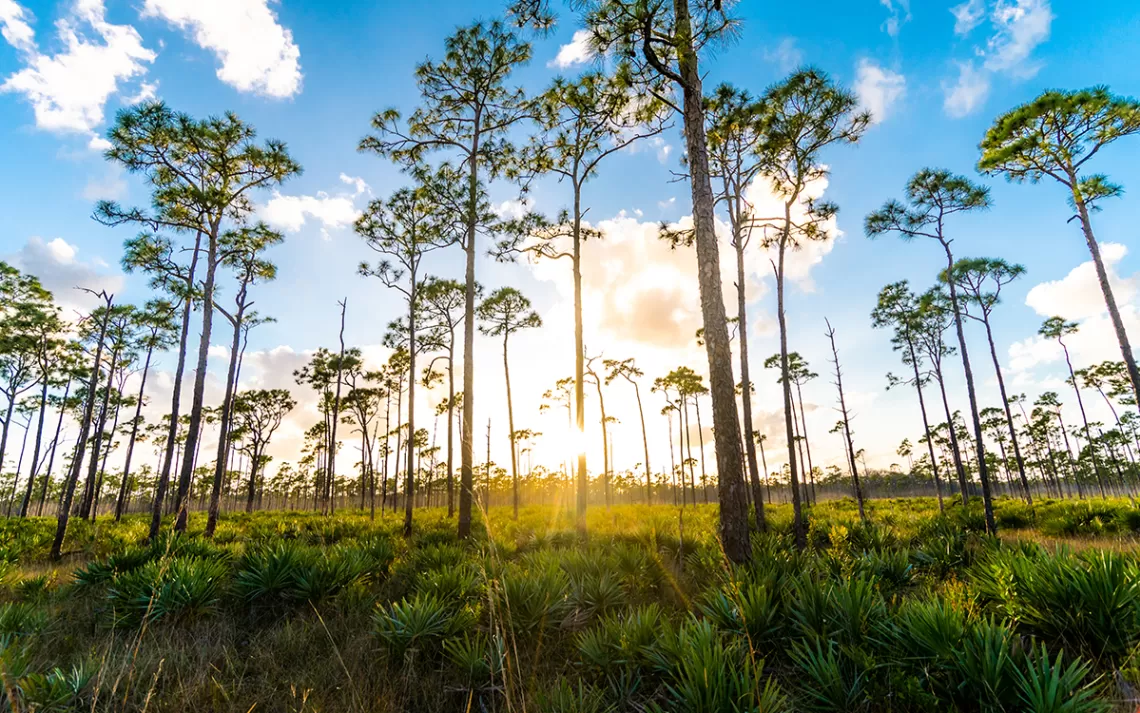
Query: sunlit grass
{"type": "Point", "coordinates": [296, 611]}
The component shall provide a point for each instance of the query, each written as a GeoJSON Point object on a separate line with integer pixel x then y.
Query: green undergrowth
{"type": "Point", "coordinates": [915, 611]}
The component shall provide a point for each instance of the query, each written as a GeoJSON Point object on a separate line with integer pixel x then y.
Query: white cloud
{"type": "Point", "coordinates": [968, 15]}
{"type": "Point", "coordinates": [787, 55]}
{"type": "Point", "coordinates": [110, 186]}
{"type": "Point", "coordinates": [668, 203]}
{"type": "Point", "coordinates": [58, 266]}
{"type": "Point", "coordinates": [577, 51]}
{"type": "Point", "coordinates": [512, 208]}
{"type": "Point", "coordinates": [967, 95]}
{"type": "Point", "coordinates": [257, 54]}
{"type": "Point", "coordinates": [899, 15]}
{"type": "Point", "coordinates": [69, 90]}
{"type": "Point", "coordinates": [291, 213]}
{"type": "Point", "coordinates": [359, 184]}
{"type": "Point", "coordinates": [1020, 26]}
{"type": "Point", "coordinates": [98, 143]}
{"type": "Point", "coordinates": [1077, 297]}
{"type": "Point", "coordinates": [878, 88]}
{"type": "Point", "coordinates": [15, 28]}
{"type": "Point", "coordinates": [146, 92]}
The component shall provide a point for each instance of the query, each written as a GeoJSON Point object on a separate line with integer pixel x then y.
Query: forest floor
{"type": "Point", "coordinates": [912, 611]}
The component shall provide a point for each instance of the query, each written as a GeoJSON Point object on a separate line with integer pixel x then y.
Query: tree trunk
{"type": "Point", "coordinates": [799, 528]}
{"type": "Point", "coordinates": [606, 445]}
{"type": "Point", "coordinates": [726, 427]}
{"type": "Point", "coordinates": [511, 431]}
{"type": "Point", "coordinates": [1106, 289]}
{"type": "Point", "coordinates": [81, 444]}
{"type": "Point", "coordinates": [954, 450]}
{"type": "Point", "coordinates": [467, 434]}
{"type": "Point", "coordinates": [336, 413]}
{"type": "Point", "coordinates": [807, 441]}
{"type": "Point", "coordinates": [194, 428]}
{"type": "Point", "coordinates": [925, 423]}
{"type": "Point", "coordinates": [86, 504]}
{"type": "Point", "coordinates": [172, 432]}
{"type": "Point", "coordinates": [1085, 421]}
{"type": "Point", "coordinates": [746, 387]}
{"type": "Point", "coordinates": [54, 446]}
{"type": "Point", "coordinates": [1008, 413]}
{"type": "Point", "coordinates": [134, 435]}
{"type": "Point", "coordinates": [846, 424]}
{"type": "Point", "coordinates": [583, 481]}
{"type": "Point", "coordinates": [224, 419]}
{"type": "Point", "coordinates": [36, 448]}
{"type": "Point", "coordinates": [450, 425]}
{"type": "Point", "coordinates": [983, 474]}
{"type": "Point", "coordinates": [645, 445]}
{"type": "Point", "coordinates": [409, 480]}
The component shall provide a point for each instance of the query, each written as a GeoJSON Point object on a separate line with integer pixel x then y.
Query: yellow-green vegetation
{"type": "Point", "coordinates": [913, 611]}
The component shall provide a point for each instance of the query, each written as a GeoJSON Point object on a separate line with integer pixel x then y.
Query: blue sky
{"type": "Point", "coordinates": [311, 73]}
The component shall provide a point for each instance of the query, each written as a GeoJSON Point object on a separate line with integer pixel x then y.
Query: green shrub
{"type": "Point", "coordinates": [419, 625]}
{"type": "Point", "coordinates": [181, 588]}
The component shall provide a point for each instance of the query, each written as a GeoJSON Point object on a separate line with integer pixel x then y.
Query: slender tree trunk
{"type": "Point", "coordinates": [846, 424]}
{"type": "Point", "coordinates": [1085, 421]}
{"type": "Point", "coordinates": [36, 448]}
{"type": "Point", "coordinates": [1008, 413]}
{"type": "Point", "coordinates": [925, 423]}
{"type": "Point", "coordinates": [224, 418]}
{"type": "Point", "coordinates": [954, 450]}
{"type": "Point", "coordinates": [103, 463]}
{"type": "Point", "coordinates": [606, 445]}
{"type": "Point", "coordinates": [1106, 290]}
{"type": "Point", "coordinates": [336, 412]}
{"type": "Point", "coordinates": [701, 443]}
{"type": "Point", "coordinates": [511, 430]}
{"type": "Point", "coordinates": [134, 435]}
{"type": "Point", "coordinates": [726, 426]}
{"type": "Point", "coordinates": [799, 527]}
{"type": "Point", "coordinates": [672, 462]}
{"type": "Point", "coordinates": [746, 386]}
{"type": "Point", "coordinates": [175, 400]}
{"type": "Point", "coordinates": [983, 473]}
{"type": "Point", "coordinates": [450, 426]}
{"type": "Point", "coordinates": [194, 428]}
{"type": "Point", "coordinates": [582, 478]}
{"type": "Point", "coordinates": [645, 445]}
{"type": "Point", "coordinates": [807, 441]}
{"type": "Point", "coordinates": [85, 505]}
{"type": "Point", "coordinates": [81, 443]}
{"type": "Point", "coordinates": [54, 446]}
{"type": "Point", "coordinates": [466, 438]}
{"type": "Point", "coordinates": [409, 481]}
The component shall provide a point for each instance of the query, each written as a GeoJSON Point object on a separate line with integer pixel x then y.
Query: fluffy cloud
{"type": "Point", "coordinates": [1017, 28]}
{"type": "Point", "coordinates": [257, 54]}
{"type": "Point", "coordinates": [332, 212]}
{"type": "Point", "coordinates": [577, 51]}
{"type": "Point", "coordinates": [14, 27]}
{"type": "Point", "coordinates": [899, 15]}
{"type": "Point", "coordinates": [967, 95]}
{"type": "Point", "coordinates": [878, 88]}
{"type": "Point", "coordinates": [69, 90]}
{"type": "Point", "coordinates": [1077, 297]}
{"type": "Point", "coordinates": [968, 15]}
{"type": "Point", "coordinates": [786, 55]}
{"type": "Point", "coordinates": [60, 269]}
{"type": "Point", "coordinates": [110, 186]}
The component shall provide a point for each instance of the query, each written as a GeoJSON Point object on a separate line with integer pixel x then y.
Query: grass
{"type": "Point", "coordinates": [916, 611]}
